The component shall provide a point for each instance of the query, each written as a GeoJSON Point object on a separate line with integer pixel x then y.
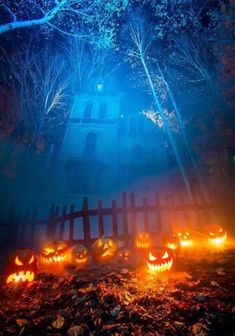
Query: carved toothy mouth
{"type": "Point", "coordinates": [81, 260]}
{"type": "Point", "coordinates": [219, 240]}
{"type": "Point", "coordinates": [54, 259]}
{"type": "Point", "coordinates": [142, 245]}
{"type": "Point", "coordinates": [107, 253]}
{"type": "Point", "coordinates": [165, 266]}
{"type": "Point", "coordinates": [171, 246]}
{"type": "Point", "coordinates": [21, 276]}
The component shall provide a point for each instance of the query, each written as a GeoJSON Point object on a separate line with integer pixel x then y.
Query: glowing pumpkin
{"type": "Point", "coordinates": [185, 238]}
{"type": "Point", "coordinates": [54, 252]}
{"type": "Point", "coordinates": [217, 234]}
{"type": "Point", "coordinates": [79, 255]}
{"type": "Point", "coordinates": [160, 260]}
{"type": "Point", "coordinates": [171, 240]}
{"type": "Point", "coordinates": [103, 249]}
{"type": "Point", "coordinates": [21, 267]}
{"type": "Point", "coordinates": [124, 255]}
{"type": "Point", "coordinates": [142, 240]}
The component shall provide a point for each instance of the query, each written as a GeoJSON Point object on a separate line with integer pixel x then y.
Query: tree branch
{"type": "Point", "coordinates": [30, 23]}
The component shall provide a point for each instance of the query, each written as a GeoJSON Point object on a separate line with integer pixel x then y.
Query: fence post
{"type": "Point", "coordinates": [187, 223]}
{"type": "Point", "coordinates": [145, 210]}
{"type": "Point", "coordinates": [86, 221]}
{"type": "Point", "coordinates": [168, 211]}
{"type": "Point", "coordinates": [158, 212]}
{"type": "Point", "coordinates": [61, 234]}
{"type": "Point", "coordinates": [100, 219]}
{"type": "Point", "coordinates": [71, 224]}
{"type": "Point", "coordinates": [50, 221]}
{"type": "Point", "coordinates": [125, 222]}
{"type": "Point", "coordinates": [133, 214]}
{"type": "Point", "coordinates": [114, 219]}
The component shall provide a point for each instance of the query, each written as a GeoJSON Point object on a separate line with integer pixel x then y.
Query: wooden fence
{"type": "Point", "coordinates": [121, 221]}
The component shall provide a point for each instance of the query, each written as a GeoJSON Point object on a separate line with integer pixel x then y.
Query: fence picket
{"type": "Point", "coordinates": [86, 221]}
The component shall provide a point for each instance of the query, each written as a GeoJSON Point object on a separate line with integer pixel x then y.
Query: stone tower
{"type": "Point", "coordinates": [90, 147]}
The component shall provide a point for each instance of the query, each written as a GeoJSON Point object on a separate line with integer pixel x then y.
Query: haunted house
{"type": "Point", "coordinates": [107, 147]}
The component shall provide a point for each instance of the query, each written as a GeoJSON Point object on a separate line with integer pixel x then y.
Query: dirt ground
{"type": "Point", "coordinates": [197, 298]}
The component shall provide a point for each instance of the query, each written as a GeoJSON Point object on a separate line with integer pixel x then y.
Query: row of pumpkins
{"type": "Point", "coordinates": [22, 265]}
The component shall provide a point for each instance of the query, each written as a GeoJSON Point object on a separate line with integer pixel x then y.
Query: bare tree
{"type": "Point", "coordinates": [142, 39]}
{"type": "Point", "coordinates": [41, 81]}
{"type": "Point", "coordinates": [65, 16]}
{"type": "Point", "coordinates": [87, 60]}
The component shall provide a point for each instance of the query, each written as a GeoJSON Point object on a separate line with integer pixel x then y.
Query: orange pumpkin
{"type": "Point", "coordinates": [124, 254]}
{"type": "Point", "coordinates": [142, 240]}
{"type": "Point", "coordinates": [217, 234]}
{"type": "Point", "coordinates": [184, 237]}
{"type": "Point", "coordinates": [79, 255]}
{"type": "Point", "coordinates": [21, 267]}
{"type": "Point", "coordinates": [103, 249]}
{"type": "Point", "coordinates": [171, 240]}
{"type": "Point", "coordinates": [160, 260]}
{"type": "Point", "coordinates": [54, 252]}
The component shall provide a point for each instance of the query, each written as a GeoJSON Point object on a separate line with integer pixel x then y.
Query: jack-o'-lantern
{"type": "Point", "coordinates": [21, 267]}
{"type": "Point", "coordinates": [185, 238]}
{"type": "Point", "coordinates": [54, 252]}
{"type": "Point", "coordinates": [171, 240]}
{"type": "Point", "coordinates": [160, 260]}
{"type": "Point", "coordinates": [103, 249]}
{"type": "Point", "coordinates": [142, 240]}
{"type": "Point", "coordinates": [79, 255]}
{"type": "Point", "coordinates": [124, 255]}
{"type": "Point", "coordinates": [217, 234]}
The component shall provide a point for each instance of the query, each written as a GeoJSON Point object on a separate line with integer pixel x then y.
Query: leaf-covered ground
{"type": "Point", "coordinates": [196, 299]}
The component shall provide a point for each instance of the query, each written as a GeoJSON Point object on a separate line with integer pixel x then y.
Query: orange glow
{"type": "Point", "coordinates": [18, 262]}
{"type": "Point", "coordinates": [81, 260]}
{"type": "Point", "coordinates": [220, 240]}
{"type": "Point", "coordinates": [165, 266]}
{"type": "Point", "coordinates": [172, 246]}
{"type": "Point", "coordinates": [142, 241]}
{"type": "Point", "coordinates": [186, 243]}
{"type": "Point", "coordinates": [21, 276]}
{"type": "Point", "coordinates": [55, 259]}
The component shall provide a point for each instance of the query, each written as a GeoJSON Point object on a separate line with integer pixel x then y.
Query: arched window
{"type": "Point", "coordinates": [102, 110]}
{"type": "Point", "coordinates": [90, 144]}
{"type": "Point", "coordinates": [88, 110]}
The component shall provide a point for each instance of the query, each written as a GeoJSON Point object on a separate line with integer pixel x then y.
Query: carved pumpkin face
{"type": "Point", "coordinates": [54, 252]}
{"type": "Point", "coordinates": [79, 255]}
{"type": "Point", "coordinates": [160, 260]}
{"type": "Point", "coordinates": [217, 234]}
{"type": "Point", "coordinates": [185, 238]}
{"type": "Point", "coordinates": [21, 267]}
{"type": "Point", "coordinates": [103, 249]}
{"type": "Point", "coordinates": [124, 254]}
{"type": "Point", "coordinates": [142, 240]}
{"type": "Point", "coordinates": [171, 241]}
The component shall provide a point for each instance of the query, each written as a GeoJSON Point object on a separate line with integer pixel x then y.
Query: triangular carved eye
{"type": "Point", "coordinates": [110, 243]}
{"type": "Point", "coordinates": [212, 234]}
{"type": "Point", "coordinates": [165, 256]}
{"type": "Point", "coordinates": [99, 243]}
{"type": "Point", "coordinates": [31, 259]}
{"type": "Point", "coordinates": [48, 250]}
{"type": "Point", "coordinates": [151, 257]}
{"type": "Point", "coordinates": [18, 262]}
{"type": "Point", "coordinates": [187, 233]}
{"type": "Point", "coordinates": [220, 230]}
{"type": "Point", "coordinates": [179, 234]}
